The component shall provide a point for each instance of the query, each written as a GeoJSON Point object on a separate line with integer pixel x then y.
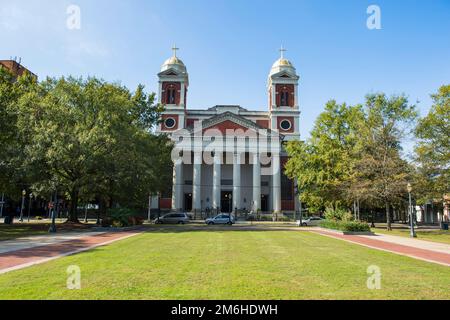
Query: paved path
{"type": "Point", "coordinates": [418, 249]}
{"type": "Point", "coordinates": [38, 241]}
{"type": "Point", "coordinates": [32, 255]}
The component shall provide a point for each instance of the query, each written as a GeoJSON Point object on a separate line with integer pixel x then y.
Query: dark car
{"type": "Point", "coordinates": [173, 218]}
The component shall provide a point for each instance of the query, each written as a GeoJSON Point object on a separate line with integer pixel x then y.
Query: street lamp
{"type": "Point", "coordinates": [24, 193]}
{"type": "Point", "coordinates": [29, 206]}
{"type": "Point", "coordinates": [411, 220]}
{"type": "Point", "coordinates": [53, 205]}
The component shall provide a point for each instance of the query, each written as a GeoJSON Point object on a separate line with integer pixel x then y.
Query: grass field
{"type": "Point", "coordinates": [440, 236]}
{"type": "Point", "coordinates": [180, 263]}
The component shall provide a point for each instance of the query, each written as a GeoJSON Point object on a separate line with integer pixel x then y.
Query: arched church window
{"type": "Point", "coordinates": [171, 95]}
{"type": "Point", "coordinates": [285, 98]}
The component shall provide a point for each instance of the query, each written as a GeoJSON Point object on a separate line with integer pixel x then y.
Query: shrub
{"type": "Point", "coordinates": [337, 214]}
{"type": "Point", "coordinates": [124, 217]}
{"type": "Point", "coordinates": [348, 226]}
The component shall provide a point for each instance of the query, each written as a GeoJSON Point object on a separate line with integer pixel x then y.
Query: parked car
{"type": "Point", "coordinates": [311, 221]}
{"type": "Point", "coordinates": [221, 219]}
{"type": "Point", "coordinates": [173, 218]}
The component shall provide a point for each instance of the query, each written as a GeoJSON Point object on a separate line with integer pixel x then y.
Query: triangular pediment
{"type": "Point", "coordinates": [171, 72]}
{"type": "Point", "coordinates": [284, 75]}
{"type": "Point", "coordinates": [229, 120]}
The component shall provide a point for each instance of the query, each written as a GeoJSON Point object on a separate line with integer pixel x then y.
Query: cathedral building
{"type": "Point", "coordinates": [228, 158]}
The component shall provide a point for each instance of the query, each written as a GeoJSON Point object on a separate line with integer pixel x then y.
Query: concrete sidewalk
{"type": "Point", "coordinates": [37, 241]}
{"type": "Point", "coordinates": [416, 243]}
{"type": "Point", "coordinates": [413, 248]}
{"type": "Point", "coordinates": [30, 253]}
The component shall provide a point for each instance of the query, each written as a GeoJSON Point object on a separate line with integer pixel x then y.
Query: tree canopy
{"type": "Point", "coordinates": [86, 138]}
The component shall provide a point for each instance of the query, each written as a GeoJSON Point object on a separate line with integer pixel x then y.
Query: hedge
{"type": "Point", "coordinates": [349, 226]}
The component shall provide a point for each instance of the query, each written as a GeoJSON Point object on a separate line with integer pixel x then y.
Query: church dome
{"type": "Point", "coordinates": [174, 63]}
{"type": "Point", "coordinates": [282, 64]}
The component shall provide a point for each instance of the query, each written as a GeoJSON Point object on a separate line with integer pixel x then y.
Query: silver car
{"type": "Point", "coordinates": [173, 218]}
{"type": "Point", "coordinates": [220, 219]}
{"type": "Point", "coordinates": [311, 221]}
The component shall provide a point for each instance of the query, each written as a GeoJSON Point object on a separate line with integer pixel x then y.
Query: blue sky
{"type": "Point", "coordinates": [230, 45]}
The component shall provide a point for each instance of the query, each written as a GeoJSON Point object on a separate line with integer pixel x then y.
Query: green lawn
{"type": "Point", "coordinates": [440, 236]}
{"type": "Point", "coordinates": [18, 230]}
{"type": "Point", "coordinates": [182, 263]}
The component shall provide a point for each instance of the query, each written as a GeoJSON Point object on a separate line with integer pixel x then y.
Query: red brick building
{"type": "Point", "coordinates": [15, 68]}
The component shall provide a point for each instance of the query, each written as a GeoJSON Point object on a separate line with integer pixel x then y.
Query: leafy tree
{"type": "Point", "coordinates": [433, 149]}
{"type": "Point", "coordinates": [13, 177]}
{"type": "Point", "coordinates": [382, 174]}
{"type": "Point", "coordinates": [90, 138]}
{"type": "Point", "coordinates": [324, 163]}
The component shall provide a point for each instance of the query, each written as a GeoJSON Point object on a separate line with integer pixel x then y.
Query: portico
{"type": "Point", "coordinates": [242, 185]}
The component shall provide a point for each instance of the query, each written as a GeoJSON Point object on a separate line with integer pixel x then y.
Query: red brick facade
{"type": "Point", "coordinates": [190, 122]}
{"type": "Point", "coordinates": [15, 68]}
{"type": "Point", "coordinates": [166, 87]}
{"type": "Point", "coordinates": [290, 119]}
{"type": "Point", "coordinates": [163, 123]}
{"type": "Point", "coordinates": [223, 126]}
{"type": "Point", "coordinates": [288, 88]}
{"type": "Point", "coordinates": [263, 123]}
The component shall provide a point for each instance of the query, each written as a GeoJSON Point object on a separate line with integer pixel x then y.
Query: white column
{"type": "Point", "coordinates": [274, 96]}
{"type": "Point", "coordinates": [174, 188]}
{"type": "Point", "coordinates": [177, 188]}
{"type": "Point", "coordinates": [276, 183]}
{"type": "Point", "coordinates": [256, 183]}
{"type": "Point", "coordinates": [217, 181]}
{"type": "Point", "coordinates": [183, 88]}
{"type": "Point", "coordinates": [197, 182]}
{"type": "Point", "coordinates": [236, 182]}
{"type": "Point", "coordinates": [160, 92]}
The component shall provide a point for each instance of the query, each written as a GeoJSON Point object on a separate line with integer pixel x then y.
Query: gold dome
{"type": "Point", "coordinates": [282, 62]}
{"type": "Point", "coordinates": [174, 60]}
{"type": "Point", "coordinates": [174, 63]}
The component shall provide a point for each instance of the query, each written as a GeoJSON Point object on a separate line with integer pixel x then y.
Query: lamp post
{"type": "Point", "coordinates": [29, 206]}
{"type": "Point", "coordinates": [24, 193]}
{"type": "Point", "coordinates": [52, 228]}
{"type": "Point", "coordinates": [411, 219]}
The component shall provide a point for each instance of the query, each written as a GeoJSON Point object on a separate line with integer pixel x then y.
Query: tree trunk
{"type": "Point", "coordinates": [388, 217]}
{"type": "Point", "coordinates": [73, 213]}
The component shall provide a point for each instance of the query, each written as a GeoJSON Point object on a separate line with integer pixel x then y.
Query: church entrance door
{"type": "Point", "coordinates": [264, 203]}
{"type": "Point", "coordinates": [188, 202]}
{"type": "Point", "coordinates": [227, 202]}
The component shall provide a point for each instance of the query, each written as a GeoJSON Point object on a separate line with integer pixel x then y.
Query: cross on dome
{"type": "Point", "coordinates": [175, 49]}
{"type": "Point", "coordinates": [282, 51]}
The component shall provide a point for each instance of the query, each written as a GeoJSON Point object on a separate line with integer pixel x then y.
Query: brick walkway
{"type": "Point", "coordinates": [18, 259]}
{"type": "Point", "coordinates": [388, 244]}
